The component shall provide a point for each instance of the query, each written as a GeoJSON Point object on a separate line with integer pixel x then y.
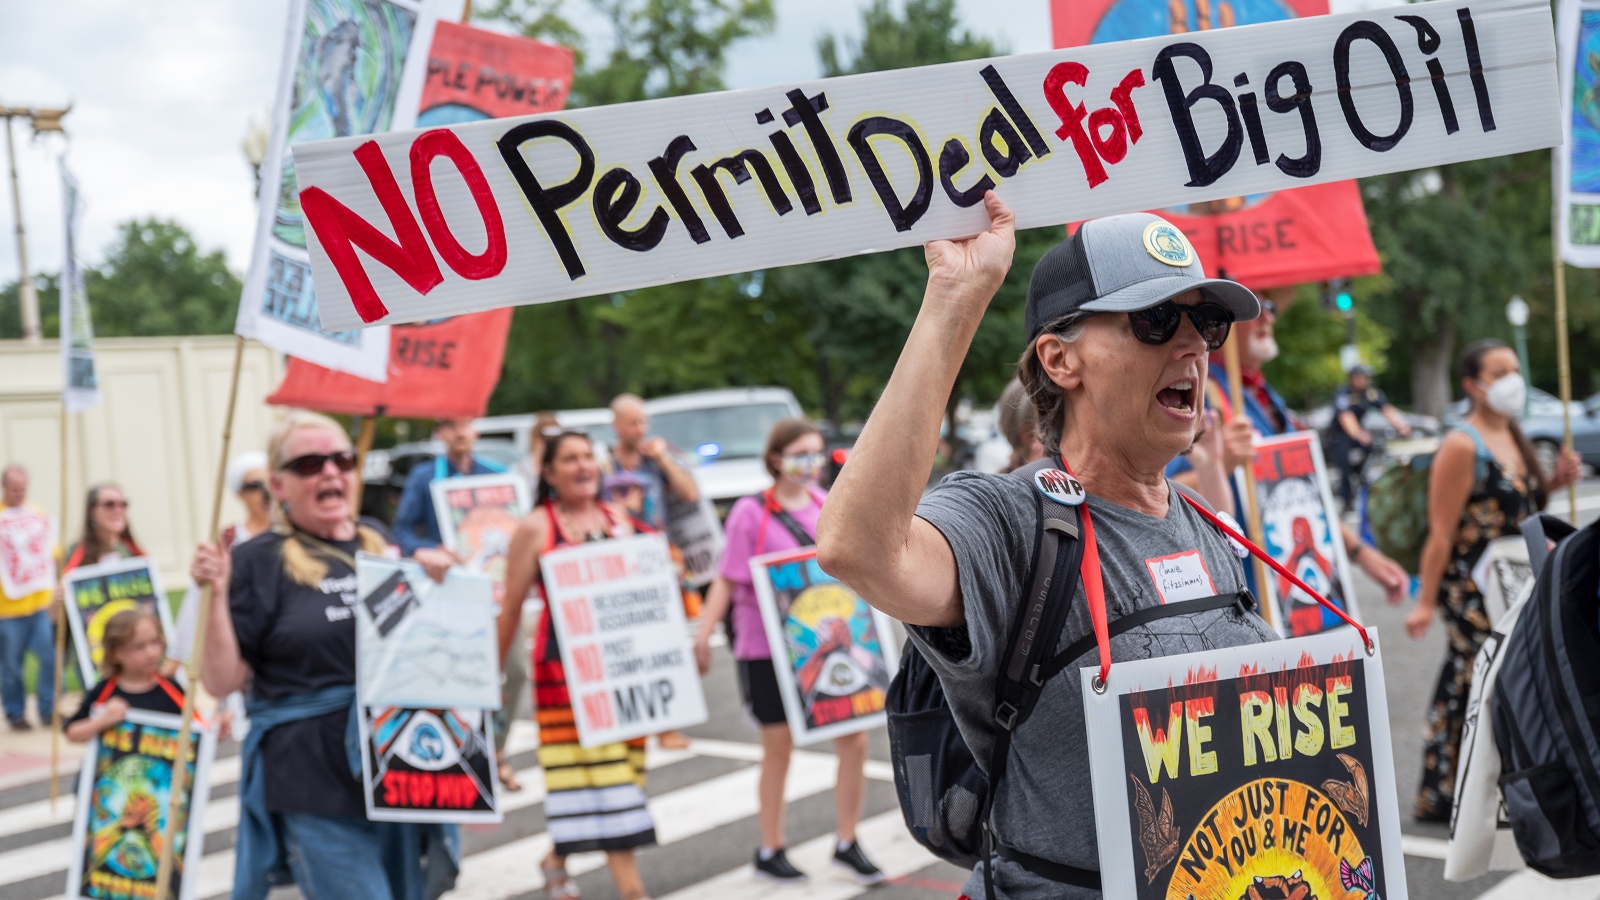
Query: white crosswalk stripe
{"type": "Point", "coordinates": [682, 816]}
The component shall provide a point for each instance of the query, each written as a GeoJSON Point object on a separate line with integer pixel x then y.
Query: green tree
{"type": "Point", "coordinates": [155, 281]}
{"type": "Point", "coordinates": [861, 308]}
{"type": "Point", "coordinates": [1307, 370]}
{"type": "Point", "coordinates": [709, 333]}
{"type": "Point", "coordinates": [1457, 242]}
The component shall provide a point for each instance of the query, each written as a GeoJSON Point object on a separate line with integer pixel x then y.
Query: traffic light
{"type": "Point", "coordinates": [1344, 302]}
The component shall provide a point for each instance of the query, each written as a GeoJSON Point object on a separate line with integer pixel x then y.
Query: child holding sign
{"type": "Point", "coordinates": [132, 649]}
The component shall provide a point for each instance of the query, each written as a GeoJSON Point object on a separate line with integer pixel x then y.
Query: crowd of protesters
{"type": "Point", "coordinates": [1123, 383]}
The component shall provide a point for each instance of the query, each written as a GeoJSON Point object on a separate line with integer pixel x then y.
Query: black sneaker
{"type": "Point", "coordinates": [777, 869]}
{"type": "Point", "coordinates": [20, 724]}
{"type": "Point", "coordinates": [852, 860]}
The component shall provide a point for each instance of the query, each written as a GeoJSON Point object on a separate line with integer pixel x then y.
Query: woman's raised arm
{"type": "Point", "coordinates": [869, 536]}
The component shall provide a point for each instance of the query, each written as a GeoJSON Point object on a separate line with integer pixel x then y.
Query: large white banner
{"type": "Point", "coordinates": [80, 388]}
{"type": "Point", "coordinates": [618, 617]}
{"type": "Point", "coordinates": [1577, 161]}
{"type": "Point", "coordinates": [409, 226]}
{"type": "Point", "coordinates": [350, 67]}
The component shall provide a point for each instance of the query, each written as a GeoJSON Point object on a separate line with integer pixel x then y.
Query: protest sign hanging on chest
{"type": "Point", "coordinates": [406, 226]}
{"type": "Point", "coordinates": [618, 617]}
{"type": "Point", "coordinates": [1263, 771]}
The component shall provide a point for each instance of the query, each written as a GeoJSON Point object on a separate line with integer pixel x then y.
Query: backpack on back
{"type": "Point", "coordinates": [1546, 708]}
{"type": "Point", "coordinates": [945, 796]}
{"type": "Point", "coordinates": [1396, 511]}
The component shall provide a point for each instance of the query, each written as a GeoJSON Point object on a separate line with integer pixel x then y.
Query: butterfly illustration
{"type": "Point", "coordinates": [1359, 878]}
{"type": "Point", "coordinates": [1157, 834]}
{"type": "Point", "coordinates": [1351, 796]}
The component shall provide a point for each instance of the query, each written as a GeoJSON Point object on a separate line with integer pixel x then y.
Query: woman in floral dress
{"type": "Point", "coordinates": [1485, 480]}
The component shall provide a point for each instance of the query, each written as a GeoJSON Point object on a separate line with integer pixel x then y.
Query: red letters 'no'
{"type": "Point", "coordinates": [341, 231]}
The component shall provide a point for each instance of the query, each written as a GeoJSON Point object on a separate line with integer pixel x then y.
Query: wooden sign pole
{"type": "Point", "coordinates": [1230, 354]}
{"type": "Point", "coordinates": [61, 623]}
{"type": "Point", "coordinates": [1563, 359]}
{"type": "Point", "coordinates": [180, 762]}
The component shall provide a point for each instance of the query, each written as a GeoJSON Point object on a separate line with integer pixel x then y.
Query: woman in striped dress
{"type": "Point", "coordinates": [595, 796]}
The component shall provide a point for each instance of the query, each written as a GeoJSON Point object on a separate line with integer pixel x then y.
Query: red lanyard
{"type": "Point", "coordinates": [166, 686]}
{"type": "Point", "coordinates": [1094, 586]}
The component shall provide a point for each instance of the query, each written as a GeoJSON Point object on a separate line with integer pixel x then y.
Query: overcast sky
{"type": "Point", "coordinates": [163, 92]}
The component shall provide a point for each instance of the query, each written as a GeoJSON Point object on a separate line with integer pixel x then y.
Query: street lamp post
{"type": "Point", "coordinates": [1517, 315]}
{"type": "Point", "coordinates": [27, 297]}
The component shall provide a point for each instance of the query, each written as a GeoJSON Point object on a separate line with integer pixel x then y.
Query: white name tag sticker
{"type": "Point", "coordinates": [1181, 576]}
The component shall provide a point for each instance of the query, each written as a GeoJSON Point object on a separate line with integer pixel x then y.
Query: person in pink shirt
{"type": "Point", "coordinates": [783, 517]}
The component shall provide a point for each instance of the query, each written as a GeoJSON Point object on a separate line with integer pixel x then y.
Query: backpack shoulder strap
{"type": "Point", "coordinates": [1035, 631]}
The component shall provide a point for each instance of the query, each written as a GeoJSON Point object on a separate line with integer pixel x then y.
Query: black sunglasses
{"type": "Point", "coordinates": [313, 463]}
{"type": "Point", "coordinates": [1159, 323]}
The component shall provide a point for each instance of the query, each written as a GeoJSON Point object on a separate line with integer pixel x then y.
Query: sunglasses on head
{"type": "Point", "coordinates": [1159, 323]}
{"type": "Point", "coordinates": [313, 463]}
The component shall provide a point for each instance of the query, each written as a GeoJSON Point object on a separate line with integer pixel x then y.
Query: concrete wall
{"type": "Point", "coordinates": [157, 433]}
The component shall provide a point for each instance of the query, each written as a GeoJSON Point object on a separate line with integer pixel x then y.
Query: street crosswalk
{"type": "Point", "coordinates": [697, 794]}
{"type": "Point", "coordinates": [491, 870]}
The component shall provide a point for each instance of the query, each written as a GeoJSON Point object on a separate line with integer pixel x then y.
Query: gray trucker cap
{"type": "Point", "coordinates": [1123, 264]}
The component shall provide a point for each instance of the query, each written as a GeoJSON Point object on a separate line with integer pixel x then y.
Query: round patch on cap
{"type": "Point", "coordinates": [1168, 244]}
{"type": "Point", "coordinates": [1060, 487]}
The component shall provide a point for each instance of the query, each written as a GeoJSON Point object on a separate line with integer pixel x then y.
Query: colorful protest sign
{"type": "Point", "coordinates": [476, 74]}
{"type": "Point", "coordinates": [1263, 240]}
{"type": "Point", "coordinates": [428, 765]}
{"type": "Point", "coordinates": [1299, 528]}
{"type": "Point", "coordinates": [1262, 772]}
{"type": "Point", "coordinates": [350, 67]}
{"type": "Point", "coordinates": [1577, 160]}
{"type": "Point", "coordinates": [477, 515]}
{"type": "Point", "coordinates": [96, 593]}
{"type": "Point", "coordinates": [80, 387]}
{"type": "Point", "coordinates": [602, 199]}
{"type": "Point", "coordinates": [834, 655]}
{"type": "Point", "coordinates": [618, 617]}
{"type": "Point", "coordinates": [440, 370]}
{"type": "Point", "coordinates": [420, 643]}
{"type": "Point", "coordinates": [118, 828]}
{"type": "Point", "coordinates": [27, 542]}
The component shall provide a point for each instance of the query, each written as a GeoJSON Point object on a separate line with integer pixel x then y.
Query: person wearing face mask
{"type": "Point", "coordinates": [1265, 414]}
{"type": "Point", "coordinates": [1485, 479]}
{"type": "Point", "coordinates": [783, 517]}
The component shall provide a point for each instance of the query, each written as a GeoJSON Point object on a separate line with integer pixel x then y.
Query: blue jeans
{"type": "Point", "coordinates": [340, 858]}
{"type": "Point", "coordinates": [17, 637]}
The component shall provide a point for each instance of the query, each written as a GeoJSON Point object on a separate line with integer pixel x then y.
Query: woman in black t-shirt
{"type": "Point", "coordinates": [282, 622]}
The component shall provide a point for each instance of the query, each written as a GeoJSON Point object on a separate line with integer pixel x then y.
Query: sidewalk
{"type": "Point", "coordinates": [25, 755]}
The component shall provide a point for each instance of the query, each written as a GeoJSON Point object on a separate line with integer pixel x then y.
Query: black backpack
{"type": "Point", "coordinates": [944, 795]}
{"type": "Point", "coordinates": [1546, 706]}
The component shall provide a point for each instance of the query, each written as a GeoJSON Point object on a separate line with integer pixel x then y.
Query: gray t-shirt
{"type": "Point", "coordinates": [1045, 804]}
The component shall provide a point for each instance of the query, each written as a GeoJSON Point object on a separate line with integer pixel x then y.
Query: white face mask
{"type": "Point", "coordinates": [1506, 394]}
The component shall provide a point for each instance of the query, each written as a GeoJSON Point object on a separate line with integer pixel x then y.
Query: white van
{"type": "Point", "coordinates": [719, 434]}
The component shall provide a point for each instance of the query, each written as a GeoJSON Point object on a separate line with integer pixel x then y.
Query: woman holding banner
{"type": "Point", "coordinates": [281, 624]}
{"type": "Point", "coordinates": [1485, 479]}
{"type": "Point", "coordinates": [594, 795]}
{"type": "Point", "coordinates": [1118, 326]}
{"type": "Point", "coordinates": [784, 517]}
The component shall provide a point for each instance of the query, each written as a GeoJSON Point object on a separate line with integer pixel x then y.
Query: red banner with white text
{"type": "Point", "coordinates": [438, 370]}
{"type": "Point", "coordinates": [1263, 240]}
